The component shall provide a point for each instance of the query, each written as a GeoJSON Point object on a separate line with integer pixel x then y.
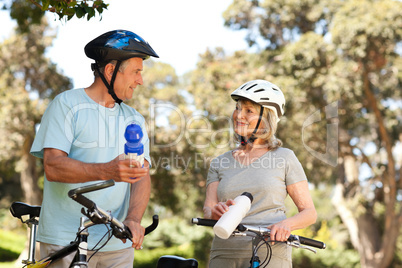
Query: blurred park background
{"type": "Point", "coordinates": [338, 63]}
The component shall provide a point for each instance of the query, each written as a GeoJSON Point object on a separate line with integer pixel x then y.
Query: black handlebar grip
{"type": "Point", "coordinates": [203, 222]}
{"type": "Point", "coordinates": [312, 242]}
{"type": "Point", "coordinates": [155, 222]}
{"type": "Point", "coordinates": [84, 201]}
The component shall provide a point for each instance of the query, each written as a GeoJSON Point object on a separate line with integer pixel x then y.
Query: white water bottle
{"type": "Point", "coordinates": [229, 220]}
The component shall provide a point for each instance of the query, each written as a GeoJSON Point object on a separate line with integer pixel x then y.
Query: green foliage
{"type": "Point", "coordinates": [30, 12]}
{"type": "Point", "coordinates": [327, 258]}
{"type": "Point", "coordinates": [370, 30]}
{"type": "Point", "coordinates": [25, 13]}
{"type": "Point", "coordinates": [276, 23]}
{"type": "Point", "coordinates": [69, 8]}
{"type": "Point", "coordinates": [28, 81]}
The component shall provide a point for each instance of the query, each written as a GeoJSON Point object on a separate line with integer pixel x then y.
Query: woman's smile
{"type": "Point", "coordinates": [241, 124]}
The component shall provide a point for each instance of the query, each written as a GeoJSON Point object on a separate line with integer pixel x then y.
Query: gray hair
{"type": "Point", "coordinates": [122, 67]}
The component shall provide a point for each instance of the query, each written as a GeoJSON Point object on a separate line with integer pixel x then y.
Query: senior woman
{"type": "Point", "coordinates": [260, 166]}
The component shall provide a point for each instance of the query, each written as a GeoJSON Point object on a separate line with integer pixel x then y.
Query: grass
{"type": "Point", "coordinates": [8, 265]}
{"type": "Point", "coordinates": [12, 244]}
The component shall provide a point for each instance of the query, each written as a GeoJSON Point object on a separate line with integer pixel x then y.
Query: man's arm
{"type": "Point", "coordinates": [139, 197]}
{"type": "Point", "coordinates": [60, 168]}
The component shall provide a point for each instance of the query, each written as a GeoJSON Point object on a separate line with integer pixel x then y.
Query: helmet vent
{"type": "Point", "coordinates": [251, 87]}
{"type": "Point", "coordinates": [264, 98]}
{"type": "Point", "coordinates": [259, 90]}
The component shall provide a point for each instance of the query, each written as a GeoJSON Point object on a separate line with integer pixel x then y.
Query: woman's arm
{"type": "Point", "coordinates": [307, 215]}
{"type": "Point", "coordinates": [212, 208]}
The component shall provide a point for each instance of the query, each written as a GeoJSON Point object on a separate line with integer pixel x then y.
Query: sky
{"type": "Point", "coordinates": [178, 30]}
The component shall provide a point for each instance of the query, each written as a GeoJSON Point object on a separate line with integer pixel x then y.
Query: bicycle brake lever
{"type": "Point", "coordinates": [295, 244]}
{"type": "Point", "coordinates": [309, 248]}
{"type": "Point", "coordinates": [122, 233]}
{"type": "Point", "coordinates": [94, 216]}
{"type": "Point", "coordinates": [128, 233]}
{"type": "Point", "coordinates": [236, 233]}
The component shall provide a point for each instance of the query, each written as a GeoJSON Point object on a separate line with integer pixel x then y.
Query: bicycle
{"type": "Point", "coordinates": [93, 215]}
{"type": "Point", "coordinates": [261, 235]}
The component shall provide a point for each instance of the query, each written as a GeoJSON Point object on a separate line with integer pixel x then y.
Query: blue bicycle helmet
{"type": "Point", "coordinates": [117, 45]}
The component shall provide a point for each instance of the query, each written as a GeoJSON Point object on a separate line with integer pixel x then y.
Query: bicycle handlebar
{"type": "Point", "coordinates": [79, 198]}
{"type": "Point", "coordinates": [292, 238]}
{"type": "Point", "coordinates": [204, 222]}
{"type": "Point", "coordinates": [311, 242]}
{"type": "Point", "coordinates": [264, 231]}
{"type": "Point", "coordinates": [98, 215]}
{"type": "Point", "coordinates": [90, 188]}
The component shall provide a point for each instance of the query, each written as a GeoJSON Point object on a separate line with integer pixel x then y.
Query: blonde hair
{"type": "Point", "coordinates": [267, 128]}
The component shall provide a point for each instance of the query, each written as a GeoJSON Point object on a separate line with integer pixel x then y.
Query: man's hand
{"type": "Point", "coordinates": [137, 231]}
{"type": "Point", "coordinates": [125, 170]}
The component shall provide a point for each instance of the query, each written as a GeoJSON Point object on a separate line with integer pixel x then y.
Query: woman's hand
{"type": "Point", "coordinates": [279, 231]}
{"type": "Point", "coordinates": [220, 208]}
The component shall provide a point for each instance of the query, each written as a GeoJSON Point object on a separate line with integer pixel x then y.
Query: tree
{"type": "Point", "coordinates": [30, 12]}
{"type": "Point", "coordinates": [342, 56]}
{"type": "Point", "coordinates": [28, 81]}
{"type": "Point", "coordinates": [69, 8]}
{"type": "Point", "coordinates": [176, 177]}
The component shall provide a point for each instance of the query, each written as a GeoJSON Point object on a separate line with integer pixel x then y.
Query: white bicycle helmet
{"type": "Point", "coordinates": [264, 93]}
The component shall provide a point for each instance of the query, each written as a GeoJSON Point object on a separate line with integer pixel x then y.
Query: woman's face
{"type": "Point", "coordinates": [245, 118]}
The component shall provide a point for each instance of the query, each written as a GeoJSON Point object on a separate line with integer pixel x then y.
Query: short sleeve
{"type": "Point", "coordinates": [56, 129]}
{"type": "Point", "coordinates": [294, 170]}
{"type": "Point", "coordinates": [213, 172]}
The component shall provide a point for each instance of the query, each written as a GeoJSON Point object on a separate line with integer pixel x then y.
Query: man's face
{"type": "Point", "coordinates": [127, 80]}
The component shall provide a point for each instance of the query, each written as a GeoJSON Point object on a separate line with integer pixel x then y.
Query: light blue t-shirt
{"type": "Point", "coordinates": [90, 133]}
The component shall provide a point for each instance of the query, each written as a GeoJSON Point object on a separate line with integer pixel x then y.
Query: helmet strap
{"type": "Point", "coordinates": [243, 140]}
{"type": "Point", "coordinates": [110, 86]}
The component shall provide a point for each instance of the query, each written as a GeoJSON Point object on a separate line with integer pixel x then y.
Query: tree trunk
{"type": "Point", "coordinates": [32, 192]}
{"type": "Point", "coordinates": [375, 250]}
{"type": "Point", "coordinates": [363, 233]}
{"type": "Point", "coordinates": [29, 177]}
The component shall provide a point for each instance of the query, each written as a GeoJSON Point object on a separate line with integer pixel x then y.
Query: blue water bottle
{"type": "Point", "coordinates": [133, 148]}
